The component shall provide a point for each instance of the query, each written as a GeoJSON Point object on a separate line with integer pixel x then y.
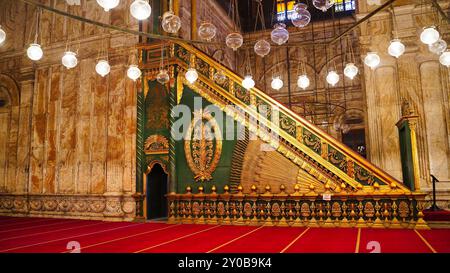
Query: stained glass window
{"type": "Point", "coordinates": [344, 5]}
{"type": "Point", "coordinates": [287, 8]}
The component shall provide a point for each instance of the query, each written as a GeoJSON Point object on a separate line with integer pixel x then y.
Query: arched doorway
{"type": "Point", "coordinates": [156, 192]}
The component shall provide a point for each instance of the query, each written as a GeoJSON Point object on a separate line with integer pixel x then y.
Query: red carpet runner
{"type": "Point", "coordinates": [33, 235]}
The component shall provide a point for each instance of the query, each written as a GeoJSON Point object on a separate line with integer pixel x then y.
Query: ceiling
{"type": "Point", "coordinates": [247, 13]}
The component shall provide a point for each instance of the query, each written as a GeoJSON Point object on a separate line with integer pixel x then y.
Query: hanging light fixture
{"type": "Point", "coordinates": [277, 83]}
{"type": "Point", "coordinates": [372, 60]}
{"type": "Point", "coordinates": [34, 51]}
{"type": "Point", "coordinates": [279, 34]}
{"type": "Point", "coordinates": [429, 35]}
{"type": "Point", "coordinates": [219, 77]}
{"type": "Point", "coordinates": [108, 4]}
{"type": "Point", "coordinates": [332, 78]}
{"type": "Point", "coordinates": [170, 22]}
{"type": "Point", "coordinates": [248, 82]}
{"type": "Point", "coordinates": [69, 60]}
{"type": "Point", "coordinates": [323, 5]}
{"type": "Point", "coordinates": [191, 75]}
{"type": "Point", "coordinates": [301, 16]}
{"type": "Point", "coordinates": [444, 59]}
{"type": "Point", "coordinates": [234, 40]}
{"type": "Point", "coordinates": [262, 48]}
{"type": "Point", "coordinates": [163, 75]}
{"type": "Point", "coordinates": [350, 70]}
{"type": "Point", "coordinates": [396, 48]}
{"type": "Point", "coordinates": [303, 81]}
{"type": "Point", "coordinates": [438, 48]}
{"type": "Point", "coordinates": [102, 68]}
{"type": "Point", "coordinates": [2, 35]}
{"type": "Point", "coordinates": [140, 9]}
{"type": "Point", "coordinates": [207, 31]}
{"type": "Point", "coordinates": [134, 72]}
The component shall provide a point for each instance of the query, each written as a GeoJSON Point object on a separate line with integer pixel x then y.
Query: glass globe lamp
{"type": "Point", "coordinates": [429, 35]}
{"type": "Point", "coordinates": [234, 40]}
{"type": "Point", "coordinates": [163, 76]}
{"type": "Point", "coordinates": [248, 82]}
{"type": "Point", "coordinates": [134, 72]}
{"type": "Point", "coordinates": [350, 70]}
{"type": "Point", "coordinates": [396, 48]}
{"type": "Point", "coordinates": [372, 60]}
{"type": "Point", "coordinates": [2, 35]}
{"type": "Point", "coordinates": [444, 59]}
{"type": "Point", "coordinates": [170, 22]}
{"type": "Point", "coordinates": [140, 9]}
{"type": "Point", "coordinates": [301, 16]}
{"type": "Point", "coordinates": [191, 75]}
{"type": "Point", "coordinates": [277, 83]}
{"type": "Point", "coordinates": [323, 5]}
{"type": "Point", "coordinates": [303, 81]}
{"type": "Point", "coordinates": [438, 48]}
{"type": "Point", "coordinates": [102, 68]}
{"type": "Point", "coordinates": [219, 77]}
{"type": "Point", "coordinates": [332, 78]}
{"type": "Point", "coordinates": [262, 48]}
{"type": "Point", "coordinates": [279, 34]}
{"type": "Point", "coordinates": [34, 52]}
{"type": "Point", "coordinates": [69, 60]}
{"type": "Point", "coordinates": [207, 31]}
{"type": "Point", "coordinates": [108, 4]}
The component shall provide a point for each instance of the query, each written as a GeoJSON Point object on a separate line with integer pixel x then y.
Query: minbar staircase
{"type": "Point", "coordinates": [362, 195]}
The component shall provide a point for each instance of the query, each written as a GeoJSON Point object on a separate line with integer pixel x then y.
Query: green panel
{"type": "Point", "coordinates": [221, 175]}
{"type": "Point", "coordinates": [406, 155]}
{"type": "Point", "coordinates": [337, 158]}
{"type": "Point", "coordinates": [242, 94]}
{"type": "Point", "coordinates": [312, 141]}
{"type": "Point", "coordinates": [288, 125]}
{"type": "Point", "coordinates": [156, 121]}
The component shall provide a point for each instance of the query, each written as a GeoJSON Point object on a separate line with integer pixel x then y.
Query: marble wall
{"type": "Point", "coordinates": [69, 135]}
{"type": "Point", "coordinates": [417, 77]}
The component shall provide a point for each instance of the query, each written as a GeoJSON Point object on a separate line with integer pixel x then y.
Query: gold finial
{"type": "Point", "coordinates": [213, 189]}
{"type": "Point", "coordinates": [200, 189]}
{"type": "Point", "coordinates": [282, 187]}
{"type": "Point", "coordinates": [343, 186]}
{"type": "Point", "coordinates": [311, 187]}
{"type": "Point", "coordinates": [226, 188]}
{"type": "Point", "coordinates": [240, 188]}
{"type": "Point", "coordinates": [359, 186]}
{"type": "Point", "coordinates": [253, 188]}
{"type": "Point", "coordinates": [376, 185]}
{"type": "Point", "coordinates": [393, 185]}
{"type": "Point", "coordinates": [267, 188]}
{"type": "Point", "coordinates": [188, 189]}
{"type": "Point", "coordinates": [327, 186]}
{"type": "Point", "coordinates": [297, 187]}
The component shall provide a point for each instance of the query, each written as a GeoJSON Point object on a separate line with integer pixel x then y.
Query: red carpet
{"type": "Point", "coordinates": [34, 235]}
{"type": "Point", "coordinates": [392, 241]}
{"type": "Point", "coordinates": [331, 240]}
{"type": "Point", "coordinates": [440, 215]}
